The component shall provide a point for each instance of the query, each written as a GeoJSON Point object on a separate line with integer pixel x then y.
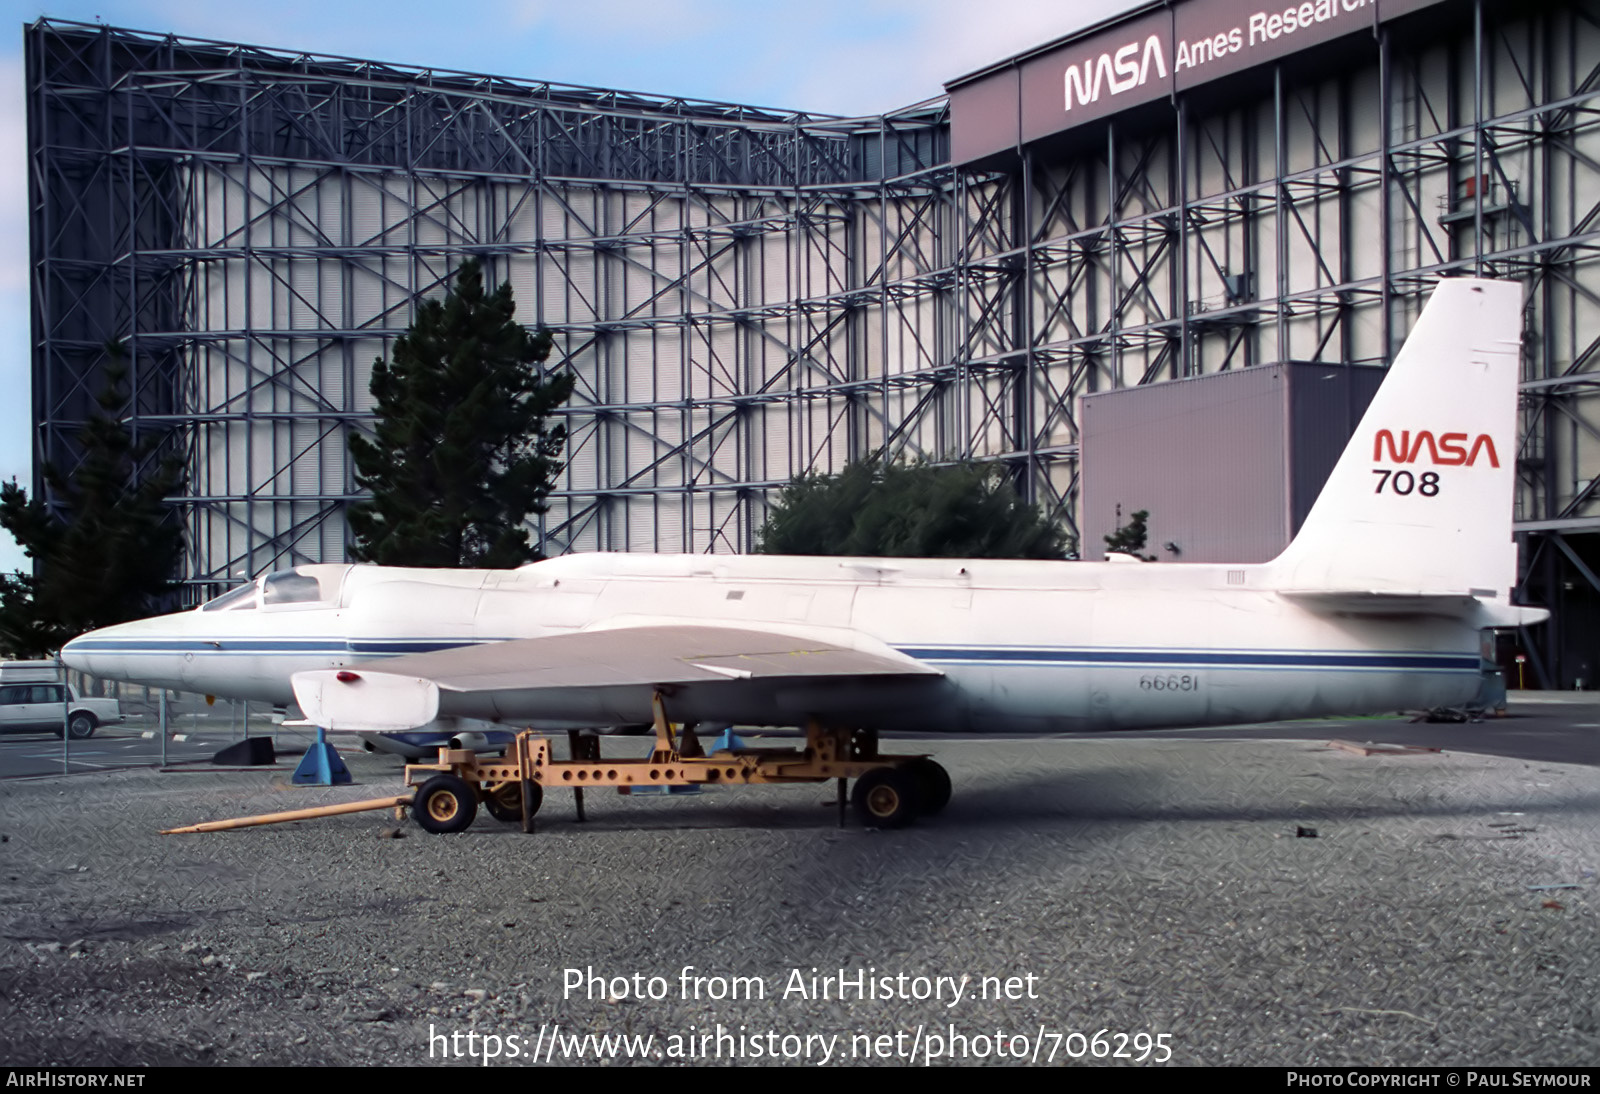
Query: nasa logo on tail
{"type": "Point", "coordinates": [1450, 450]}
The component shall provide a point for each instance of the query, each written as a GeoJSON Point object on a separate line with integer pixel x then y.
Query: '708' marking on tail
{"type": "Point", "coordinates": [1404, 482]}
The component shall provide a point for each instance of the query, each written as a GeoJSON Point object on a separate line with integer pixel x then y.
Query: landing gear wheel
{"type": "Point", "coordinates": [504, 802]}
{"type": "Point", "coordinates": [933, 781]}
{"type": "Point", "coordinates": [886, 797]}
{"type": "Point", "coordinates": [445, 804]}
{"type": "Point", "coordinates": [81, 726]}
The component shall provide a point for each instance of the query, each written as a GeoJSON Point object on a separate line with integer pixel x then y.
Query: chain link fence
{"type": "Point", "coordinates": [64, 722]}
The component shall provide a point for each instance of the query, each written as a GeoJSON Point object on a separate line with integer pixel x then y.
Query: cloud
{"type": "Point", "coordinates": [621, 22]}
{"type": "Point", "coordinates": [927, 44]}
{"type": "Point", "coordinates": [829, 56]}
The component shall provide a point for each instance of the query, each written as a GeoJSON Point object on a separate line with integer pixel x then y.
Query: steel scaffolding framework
{"type": "Point", "coordinates": [747, 294]}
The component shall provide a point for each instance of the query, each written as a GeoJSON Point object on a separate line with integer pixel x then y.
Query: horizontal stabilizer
{"type": "Point", "coordinates": [1483, 613]}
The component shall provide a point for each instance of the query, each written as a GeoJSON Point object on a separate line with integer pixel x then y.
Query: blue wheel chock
{"type": "Point", "coordinates": [728, 741]}
{"type": "Point", "coordinates": [321, 765]}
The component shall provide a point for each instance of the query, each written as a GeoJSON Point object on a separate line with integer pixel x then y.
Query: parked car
{"type": "Point", "coordinates": [37, 708]}
{"type": "Point", "coordinates": [30, 672]}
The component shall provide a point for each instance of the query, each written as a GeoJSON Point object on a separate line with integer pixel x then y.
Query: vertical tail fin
{"type": "Point", "coordinates": [1420, 501]}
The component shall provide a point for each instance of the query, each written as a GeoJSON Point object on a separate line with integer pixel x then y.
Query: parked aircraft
{"type": "Point", "coordinates": [1382, 602]}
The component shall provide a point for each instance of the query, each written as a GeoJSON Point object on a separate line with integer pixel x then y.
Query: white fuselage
{"type": "Point", "coordinates": [1025, 647]}
{"type": "Point", "coordinates": [1377, 605]}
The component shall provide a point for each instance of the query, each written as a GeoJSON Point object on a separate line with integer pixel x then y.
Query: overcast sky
{"type": "Point", "coordinates": [830, 56]}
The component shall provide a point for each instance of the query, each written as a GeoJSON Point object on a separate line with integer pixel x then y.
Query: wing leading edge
{"type": "Point", "coordinates": [595, 676]}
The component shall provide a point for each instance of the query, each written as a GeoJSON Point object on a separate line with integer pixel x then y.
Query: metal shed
{"type": "Point", "coordinates": [1228, 465]}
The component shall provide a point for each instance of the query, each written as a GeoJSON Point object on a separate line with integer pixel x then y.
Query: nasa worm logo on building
{"type": "Point", "coordinates": [1141, 60]}
{"type": "Point", "coordinates": [1199, 41]}
{"type": "Point", "coordinates": [1124, 70]}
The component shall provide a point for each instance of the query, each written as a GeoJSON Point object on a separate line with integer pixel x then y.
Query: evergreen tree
{"type": "Point", "coordinates": [107, 551]}
{"type": "Point", "coordinates": [915, 510]}
{"type": "Point", "coordinates": [1130, 538]}
{"type": "Point", "coordinates": [461, 455]}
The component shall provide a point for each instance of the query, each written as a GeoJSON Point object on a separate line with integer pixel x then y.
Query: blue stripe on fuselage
{"type": "Point", "coordinates": [330, 646]}
{"type": "Point", "coordinates": [968, 655]}
{"type": "Point", "coordinates": [1238, 659]}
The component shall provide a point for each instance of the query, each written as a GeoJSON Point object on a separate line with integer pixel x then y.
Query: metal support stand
{"type": "Point", "coordinates": [66, 715]}
{"type": "Point", "coordinates": [527, 785]}
{"type": "Point", "coordinates": [581, 747]}
{"type": "Point", "coordinates": [842, 797]}
{"type": "Point", "coordinates": [666, 745]}
{"type": "Point", "coordinates": [163, 727]}
{"type": "Point", "coordinates": [321, 765]}
{"type": "Point", "coordinates": [668, 750]}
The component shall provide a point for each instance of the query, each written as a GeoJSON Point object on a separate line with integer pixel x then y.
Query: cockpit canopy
{"type": "Point", "coordinates": [237, 599]}
{"type": "Point", "coordinates": [290, 587]}
{"type": "Point", "coordinates": [304, 586]}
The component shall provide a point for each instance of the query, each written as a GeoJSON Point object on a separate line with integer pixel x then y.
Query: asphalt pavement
{"type": "Point", "coordinates": [1555, 726]}
{"type": "Point", "coordinates": [1561, 727]}
{"type": "Point", "coordinates": [1175, 900]}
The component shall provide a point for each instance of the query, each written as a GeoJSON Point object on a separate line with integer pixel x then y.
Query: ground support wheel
{"type": "Point", "coordinates": [504, 802]}
{"type": "Point", "coordinates": [886, 797]}
{"type": "Point", "coordinates": [446, 803]}
{"type": "Point", "coordinates": [81, 726]}
{"type": "Point", "coordinates": [933, 781]}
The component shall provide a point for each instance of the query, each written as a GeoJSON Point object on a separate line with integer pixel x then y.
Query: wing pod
{"type": "Point", "coordinates": [378, 702]}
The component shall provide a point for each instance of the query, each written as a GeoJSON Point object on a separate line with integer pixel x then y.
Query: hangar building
{"type": "Point", "coordinates": [1194, 187]}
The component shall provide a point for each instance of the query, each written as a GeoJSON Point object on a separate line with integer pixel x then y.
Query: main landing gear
{"type": "Point", "coordinates": [890, 791]}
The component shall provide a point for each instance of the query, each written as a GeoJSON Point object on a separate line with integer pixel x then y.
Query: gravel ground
{"type": "Point", "coordinates": [1148, 888]}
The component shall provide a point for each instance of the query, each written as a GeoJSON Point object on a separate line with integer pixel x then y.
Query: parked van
{"type": "Point", "coordinates": [30, 672]}
{"type": "Point", "coordinates": [31, 701]}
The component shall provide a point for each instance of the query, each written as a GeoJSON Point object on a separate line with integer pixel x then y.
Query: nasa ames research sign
{"type": "Point", "coordinates": [1141, 59]}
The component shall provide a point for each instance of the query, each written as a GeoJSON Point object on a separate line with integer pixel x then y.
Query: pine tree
{"type": "Point", "coordinates": [461, 455]}
{"type": "Point", "coordinates": [107, 551]}
{"type": "Point", "coordinates": [1129, 539]}
{"type": "Point", "coordinates": [902, 510]}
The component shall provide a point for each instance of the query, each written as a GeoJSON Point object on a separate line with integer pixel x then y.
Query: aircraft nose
{"type": "Point", "coordinates": [91, 652]}
{"type": "Point", "coordinates": [143, 651]}
{"type": "Point", "coordinates": [79, 652]}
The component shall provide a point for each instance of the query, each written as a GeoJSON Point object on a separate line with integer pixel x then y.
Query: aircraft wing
{"type": "Point", "coordinates": [608, 676]}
